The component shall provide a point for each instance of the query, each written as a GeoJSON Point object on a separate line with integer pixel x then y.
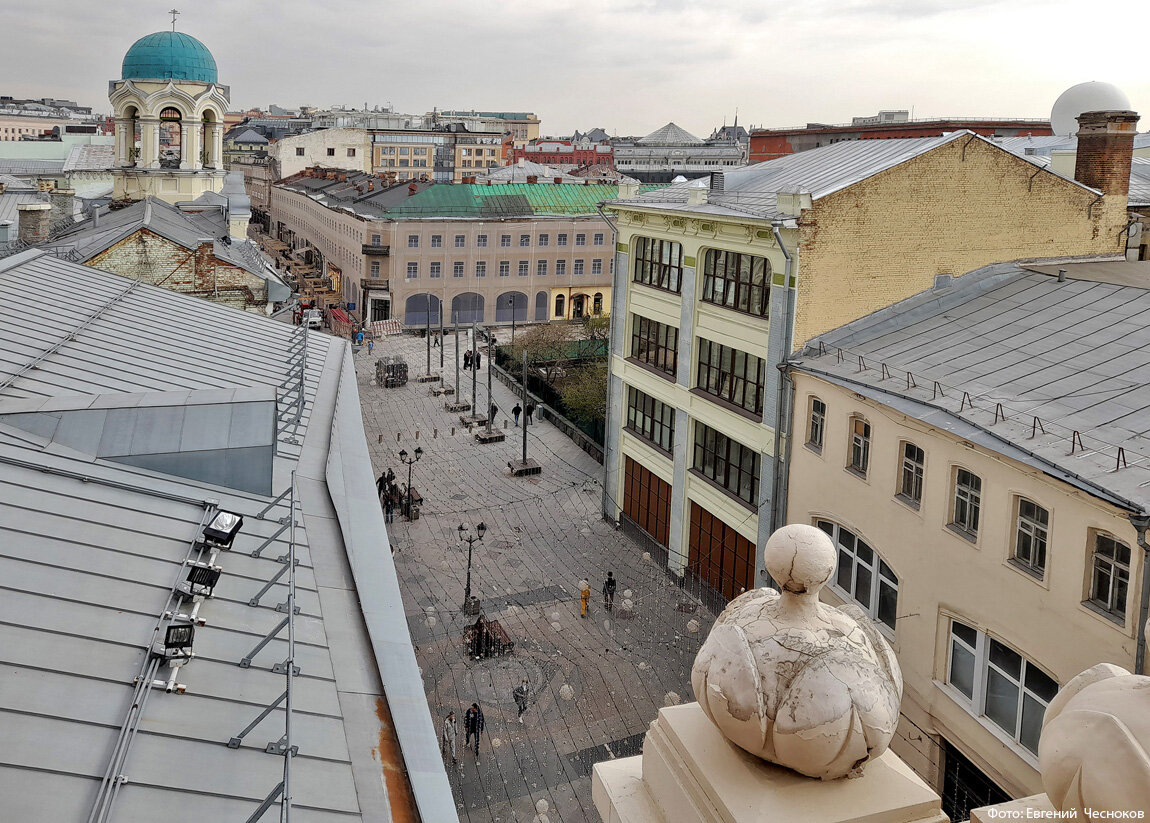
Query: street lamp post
{"type": "Point", "coordinates": [414, 459]}
{"type": "Point", "coordinates": [470, 604]}
{"type": "Point", "coordinates": [511, 301]}
{"type": "Point", "coordinates": [490, 357]}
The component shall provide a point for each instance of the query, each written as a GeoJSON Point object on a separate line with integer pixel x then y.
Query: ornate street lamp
{"type": "Point", "coordinates": [470, 604]}
{"type": "Point", "coordinates": [415, 459]}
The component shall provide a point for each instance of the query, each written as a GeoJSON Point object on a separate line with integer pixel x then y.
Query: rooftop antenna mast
{"type": "Point", "coordinates": [173, 12]}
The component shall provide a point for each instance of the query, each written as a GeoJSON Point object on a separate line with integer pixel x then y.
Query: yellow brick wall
{"type": "Point", "coordinates": [885, 239]}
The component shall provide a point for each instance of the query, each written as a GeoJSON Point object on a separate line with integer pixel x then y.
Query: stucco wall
{"type": "Point", "coordinates": [315, 145]}
{"type": "Point", "coordinates": [943, 575]}
{"type": "Point", "coordinates": [962, 206]}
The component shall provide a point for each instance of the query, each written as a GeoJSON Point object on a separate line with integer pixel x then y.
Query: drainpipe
{"type": "Point", "coordinates": [782, 402]}
{"type": "Point", "coordinates": [1141, 523]}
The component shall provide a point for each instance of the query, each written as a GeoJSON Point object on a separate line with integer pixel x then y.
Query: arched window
{"type": "Point", "coordinates": [171, 142]}
{"type": "Point", "coordinates": [862, 575]}
{"type": "Point", "coordinates": [541, 306]}
{"type": "Point", "coordinates": [131, 135]}
{"type": "Point", "coordinates": [207, 141]}
{"type": "Point", "coordinates": [597, 303]}
{"type": "Point", "coordinates": [559, 301]}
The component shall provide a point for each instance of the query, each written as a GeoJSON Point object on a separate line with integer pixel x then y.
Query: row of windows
{"type": "Point", "coordinates": [543, 239]}
{"type": "Point", "coordinates": [542, 268]}
{"type": "Point", "coordinates": [650, 418]}
{"type": "Point", "coordinates": [732, 375]}
{"type": "Point", "coordinates": [727, 462]}
{"type": "Point", "coordinates": [737, 281]}
{"type": "Point", "coordinates": [655, 344]}
{"type": "Point", "coordinates": [1109, 572]}
{"type": "Point", "coordinates": [407, 150]}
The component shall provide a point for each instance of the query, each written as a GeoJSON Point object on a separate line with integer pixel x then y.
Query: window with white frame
{"type": "Point", "coordinates": [859, 446]}
{"type": "Point", "coordinates": [505, 241]}
{"type": "Point", "coordinates": [596, 267]}
{"type": "Point", "coordinates": [580, 240]}
{"type": "Point", "coordinates": [460, 241]}
{"type": "Point", "coordinates": [561, 239]}
{"type": "Point", "coordinates": [541, 268]}
{"type": "Point", "coordinates": [1031, 527]}
{"type": "Point", "coordinates": [544, 239]}
{"type": "Point", "coordinates": [525, 240]}
{"type": "Point", "coordinates": [524, 268]}
{"type": "Point", "coordinates": [436, 270]}
{"type": "Point", "coordinates": [598, 239]}
{"type": "Point", "coordinates": [504, 268]}
{"type": "Point", "coordinates": [862, 575]}
{"type": "Point", "coordinates": [560, 268]}
{"type": "Point", "coordinates": [999, 684]}
{"type": "Point", "coordinates": [481, 241]}
{"type": "Point", "coordinates": [436, 241]}
{"type": "Point", "coordinates": [578, 269]}
{"type": "Point", "coordinates": [375, 268]}
{"type": "Point", "coordinates": [457, 268]}
{"type": "Point", "coordinates": [413, 241]}
{"type": "Point", "coordinates": [1110, 576]}
{"type": "Point", "coordinates": [412, 270]}
{"type": "Point", "coordinates": [911, 473]}
{"type": "Point", "coordinates": [481, 268]}
{"type": "Point", "coordinates": [816, 424]}
{"type": "Point", "coordinates": [967, 502]}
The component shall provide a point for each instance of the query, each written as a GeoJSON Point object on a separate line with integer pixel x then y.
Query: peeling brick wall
{"type": "Point", "coordinates": [156, 260]}
{"type": "Point", "coordinates": [885, 239]}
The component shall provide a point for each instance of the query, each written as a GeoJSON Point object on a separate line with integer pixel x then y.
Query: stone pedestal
{"type": "Point", "coordinates": [519, 468]}
{"type": "Point", "coordinates": [427, 378]}
{"type": "Point", "coordinates": [493, 436]}
{"type": "Point", "coordinates": [473, 420]}
{"type": "Point", "coordinates": [457, 407]}
{"type": "Point", "coordinates": [690, 773]}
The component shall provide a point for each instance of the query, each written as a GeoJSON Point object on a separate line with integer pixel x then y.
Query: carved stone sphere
{"type": "Point", "coordinates": [1094, 751]}
{"type": "Point", "coordinates": [794, 681]}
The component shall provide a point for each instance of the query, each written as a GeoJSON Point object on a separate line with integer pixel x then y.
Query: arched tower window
{"type": "Point", "coordinates": [208, 160]}
{"type": "Point", "coordinates": [131, 136]}
{"type": "Point", "coordinates": [171, 138]}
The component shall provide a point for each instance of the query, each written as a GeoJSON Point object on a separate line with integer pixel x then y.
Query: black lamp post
{"type": "Point", "coordinates": [414, 459]}
{"type": "Point", "coordinates": [511, 301]}
{"type": "Point", "coordinates": [470, 604]}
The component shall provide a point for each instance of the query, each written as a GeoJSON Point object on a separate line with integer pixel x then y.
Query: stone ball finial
{"type": "Point", "coordinates": [1094, 751]}
{"type": "Point", "coordinates": [793, 680]}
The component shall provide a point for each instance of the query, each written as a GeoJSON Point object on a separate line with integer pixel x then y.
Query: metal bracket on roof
{"type": "Point", "coordinates": [999, 413]}
{"type": "Point", "coordinates": [966, 401]}
{"type": "Point", "coordinates": [234, 743]}
{"type": "Point", "coordinates": [1030, 182]}
{"type": "Point", "coordinates": [272, 505]}
{"type": "Point", "coordinates": [280, 747]}
{"type": "Point", "coordinates": [273, 795]}
{"type": "Point", "coordinates": [862, 364]}
{"type": "Point", "coordinates": [839, 357]}
{"type": "Point", "coordinates": [1036, 427]}
{"type": "Point", "coordinates": [1121, 462]}
{"type": "Point", "coordinates": [246, 661]}
{"type": "Point", "coordinates": [970, 140]}
{"type": "Point", "coordinates": [255, 601]}
{"type": "Point", "coordinates": [283, 528]}
{"type": "Point", "coordinates": [910, 384]}
{"type": "Point", "coordinates": [1076, 442]}
{"type": "Point", "coordinates": [938, 392]}
{"type": "Point", "coordinates": [885, 372]}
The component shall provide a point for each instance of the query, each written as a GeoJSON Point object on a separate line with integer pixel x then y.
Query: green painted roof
{"type": "Point", "coordinates": [509, 200]}
{"type": "Point", "coordinates": [169, 55]}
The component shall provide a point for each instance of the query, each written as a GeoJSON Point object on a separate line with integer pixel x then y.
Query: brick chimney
{"type": "Point", "coordinates": [1105, 149]}
{"type": "Point", "coordinates": [412, 188]}
{"type": "Point", "coordinates": [63, 203]}
{"type": "Point", "coordinates": [531, 178]}
{"type": "Point", "coordinates": [34, 221]}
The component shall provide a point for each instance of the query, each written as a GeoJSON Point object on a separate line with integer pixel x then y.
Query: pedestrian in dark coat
{"type": "Point", "coordinates": [473, 724]}
{"type": "Point", "coordinates": [521, 693]}
{"type": "Point", "coordinates": [381, 484]}
{"type": "Point", "coordinates": [466, 360]}
{"type": "Point", "coordinates": [609, 591]}
{"type": "Point", "coordinates": [516, 412]}
{"type": "Point", "coordinates": [437, 342]}
{"type": "Point", "coordinates": [494, 410]}
{"type": "Point", "coordinates": [389, 510]}
{"type": "Point", "coordinates": [529, 411]}
{"type": "Point", "coordinates": [478, 361]}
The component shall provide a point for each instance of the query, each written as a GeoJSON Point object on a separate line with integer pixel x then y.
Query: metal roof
{"type": "Point", "coordinates": [10, 202]}
{"type": "Point", "coordinates": [20, 167]}
{"type": "Point", "coordinates": [670, 135]}
{"type": "Point", "coordinates": [90, 158]}
{"type": "Point", "coordinates": [1013, 341]}
{"type": "Point", "coordinates": [90, 549]}
{"type": "Point", "coordinates": [819, 172]}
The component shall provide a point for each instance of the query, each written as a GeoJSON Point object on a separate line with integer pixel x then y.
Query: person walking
{"type": "Point", "coordinates": [467, 360]}
{"type": "Point", "coordinates": [521, 693]}
{"type": "Point", "coordinates": [450, 733]}
{"type": "Point", "coordinates": [494, 410]}
{"type": "Point", "coordinates": [473, 724]}
{"type": "Point", "coordinates": [609, 591]}
{"type": "Point", "coordinates": [584, 598]}
{"type": "Point", "coordinates": [388, 510]}
{"type": "Point", "coordinates": [478, 361]}
{"type": "Point", "coordinates": [436, 343]}
{"type": "Point", "coordinates": [370, 344]}
{"type": "Point", "coordinates": [516, 411]}
{"type": "Point", "coordinates": [530, 410]}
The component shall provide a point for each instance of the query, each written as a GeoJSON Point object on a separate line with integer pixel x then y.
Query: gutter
{"type": "Point", "coordinates": [783, 416]}
{"type": "Point", "coordinates": [1141, 523]}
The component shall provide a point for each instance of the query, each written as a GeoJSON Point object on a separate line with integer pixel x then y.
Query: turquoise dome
{"type": "Point", "coordinates": [169, 55]}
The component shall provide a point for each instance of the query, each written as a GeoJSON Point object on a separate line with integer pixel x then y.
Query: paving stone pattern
{"type": "Point", "coordinates": [544, 534]}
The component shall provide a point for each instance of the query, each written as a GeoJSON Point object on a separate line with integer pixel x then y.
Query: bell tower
{"type": "Point", "coordinates": [169, 113]}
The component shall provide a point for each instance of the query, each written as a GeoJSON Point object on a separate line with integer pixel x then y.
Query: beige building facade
{"type": "Point", "coordinates": [987, 514]}
{"type": "Point", "coordinates": [347, 149]}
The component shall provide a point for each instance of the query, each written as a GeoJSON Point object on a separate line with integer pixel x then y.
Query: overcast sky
{"type": "Point", "coordinates": [626, 65]}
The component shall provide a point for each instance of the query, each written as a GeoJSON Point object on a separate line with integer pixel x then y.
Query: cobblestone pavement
{"type": "Point", "coordinates": [596, 683]}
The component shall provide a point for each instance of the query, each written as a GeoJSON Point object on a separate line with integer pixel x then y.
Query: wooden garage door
{"type": "Point", "coordinates": [719, 556]}
{"type": "Point", "coordinates": [647, 500]}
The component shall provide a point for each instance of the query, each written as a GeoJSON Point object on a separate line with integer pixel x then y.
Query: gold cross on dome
{"type": "Point", "coordinates": [173, 12]}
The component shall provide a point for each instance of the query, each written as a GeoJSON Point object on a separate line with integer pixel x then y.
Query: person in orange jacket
{"type": "Point", "coordinates": [584, 597]}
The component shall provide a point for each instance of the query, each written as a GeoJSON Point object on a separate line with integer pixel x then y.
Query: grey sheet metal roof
{"type": "Point", "coordinates": [31, 167]}
{"type": "Point", "coordinates": [11, 183]}
{"type": "Point", "coordinates": [10, 202]}
{"type": "Point", "coordinates": [670, 135]}
{"type": "Point", "coordinates": [819, 172]}
{"type": "Point", "coordinates": [89, 549]}
{"type": "Point", "coordinates": [1014, 341]}
{"type": "Point", "coordinates": [90, 158]}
